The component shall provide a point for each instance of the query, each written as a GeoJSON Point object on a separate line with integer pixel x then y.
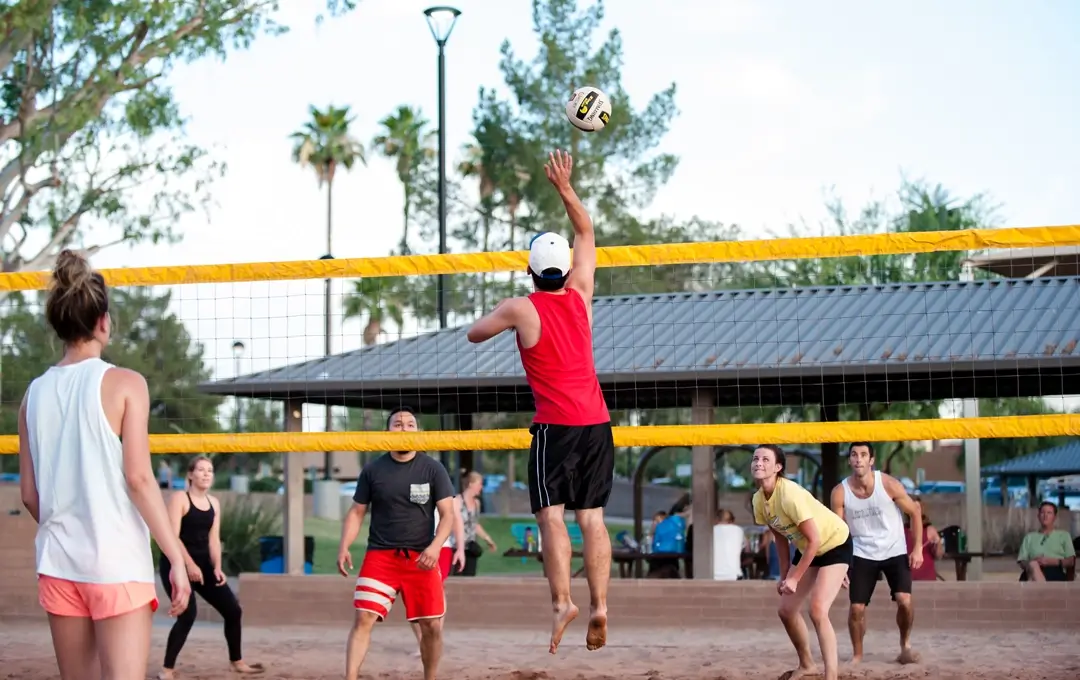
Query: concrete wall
{"type": "Point", "coordinates": [525, 602]}
{"type": "Point", "coordinates": [509, 601]}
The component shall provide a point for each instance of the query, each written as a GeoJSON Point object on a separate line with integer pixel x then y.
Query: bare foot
{"type": "Point", "coordinates": [558, 627]}
{"type": "Point", "coordinates": [596, 635]}
{"type": "Point", "coordinates": [907, 656]}
{"type": "Point", "coordinates": [799, 673]}
{"type": "Point", "coordinates": [856, 660]}
{"type": "Point", "coordinates": [166, 674]}
{"type": "Point", "coordinates": [247, 669]}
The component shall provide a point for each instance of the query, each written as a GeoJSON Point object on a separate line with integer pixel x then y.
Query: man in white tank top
{"type": "Point", "coordinates": [872, 503]}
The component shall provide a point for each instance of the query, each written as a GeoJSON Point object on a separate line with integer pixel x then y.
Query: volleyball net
{"type": "Point", "coordinates": [788, 341]}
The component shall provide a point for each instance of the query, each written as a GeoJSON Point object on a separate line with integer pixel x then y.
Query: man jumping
{"type": "Point", "coordinates": [403, 490]}
{"type": "Point", "coordinates": [572, 456]}
{"type": "Point", "coordinates": [871, 502]}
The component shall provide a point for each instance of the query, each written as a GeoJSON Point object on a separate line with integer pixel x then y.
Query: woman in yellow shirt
{"type": "Point", "coordinates": [793, 515]}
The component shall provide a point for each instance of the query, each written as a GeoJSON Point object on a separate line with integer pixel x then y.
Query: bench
{"type": "Point", "coordinates": [517, 531]}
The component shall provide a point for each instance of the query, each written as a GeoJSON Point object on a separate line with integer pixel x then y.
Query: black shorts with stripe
{"type": "Point", "coordinates": [571, 465]}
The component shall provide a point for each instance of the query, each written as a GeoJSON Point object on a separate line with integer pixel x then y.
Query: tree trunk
{"type": "Point", "coordinates": [371, 330]}
{"type": "Point", "coordinates": [405, 228]}
{"type": "Point", "coordinates": [486, 247]}
{"type": "Point", "coordinates": [513, 208]}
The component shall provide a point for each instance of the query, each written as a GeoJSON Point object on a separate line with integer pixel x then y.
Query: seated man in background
{"type": "Point", "coordinates": [1047, 553]}
{"type": "Point", "coordinates": [728, 542]}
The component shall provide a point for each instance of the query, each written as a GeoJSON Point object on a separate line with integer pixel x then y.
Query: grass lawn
{"type": "Point", "coordinates": [327, 533]}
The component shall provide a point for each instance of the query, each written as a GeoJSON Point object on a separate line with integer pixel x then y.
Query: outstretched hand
{"type": "Point", "coordinates": [558, 169]}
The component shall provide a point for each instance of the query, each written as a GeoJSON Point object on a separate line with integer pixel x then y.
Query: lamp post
{"type": "Point", "coordinates": [441, 20]}
{"type": "Point", "coordinates": [238, 352]}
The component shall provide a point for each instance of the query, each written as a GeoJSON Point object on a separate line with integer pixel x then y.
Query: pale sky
{"type": "Point", "coordinates": [779, 103]}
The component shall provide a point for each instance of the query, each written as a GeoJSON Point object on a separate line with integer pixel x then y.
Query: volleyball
{"type": "Point", "coordinates": [589, 109]}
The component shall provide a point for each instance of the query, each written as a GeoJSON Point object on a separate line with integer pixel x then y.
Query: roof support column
{"type": "Point", "coordinates": [446, 423]}
{"type": "Point", "coordinates": [973, 509]}
{"type": "Point", "coordinates": [830, 454]}
{"type": "Point", "coordinates": [465, 458]}
{"type": "Point", "coordinates": [293, 526]}
{"type": "Point", "coordinates": [703, 489]}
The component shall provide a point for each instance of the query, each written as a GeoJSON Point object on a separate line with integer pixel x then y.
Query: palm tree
{"type": "Point", "coordinates": [378, 299]}
{"type": "Point", "coordinates": [324, 144]}
{"type": "Point", "coordinates": [405, 139]}
{"type": "Point", "coordinates": [473, 166]}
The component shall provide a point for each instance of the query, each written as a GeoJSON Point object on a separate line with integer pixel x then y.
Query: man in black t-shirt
{"type": "Point", "coordinates": [402, 489]}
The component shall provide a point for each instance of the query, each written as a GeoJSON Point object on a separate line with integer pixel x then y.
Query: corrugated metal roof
{"type": "Point", "coordinates": [1062, 460]}
{"type": "Point", "coordinates": [743, 336]}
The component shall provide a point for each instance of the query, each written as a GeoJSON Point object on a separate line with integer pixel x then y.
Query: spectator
{"type": "Point", "coordinates": [470, 517]}
{"type": "Point", "coordinates": [164, 474]}
{"type": "Point", "coordinates": [1046, 554]}
{"type": "Point", "coordinates": [933, 546]}
{"type": "Point", "coordinates": [669, 537]}
{"type": "Point", "coordinates": [728, 541]}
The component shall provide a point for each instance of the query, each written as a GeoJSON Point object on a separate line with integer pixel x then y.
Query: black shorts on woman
{"type": "Point", "coordinates": [841, 554]}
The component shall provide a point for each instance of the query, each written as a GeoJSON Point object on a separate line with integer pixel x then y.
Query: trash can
{"type": "Point", "coordinates": [951, 537]}
{"type": "Point", "coordinates": [272, 554]}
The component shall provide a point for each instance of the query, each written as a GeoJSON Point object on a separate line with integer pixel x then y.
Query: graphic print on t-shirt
{"type": "Point", "coordinates": [420, 493]}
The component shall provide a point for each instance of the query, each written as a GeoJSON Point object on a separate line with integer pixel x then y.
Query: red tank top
{"type": "Point", "coordinates": [560, 367]}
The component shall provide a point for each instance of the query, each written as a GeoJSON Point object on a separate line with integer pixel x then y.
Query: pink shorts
{"type": "Point", "coordinates": [96, 601]}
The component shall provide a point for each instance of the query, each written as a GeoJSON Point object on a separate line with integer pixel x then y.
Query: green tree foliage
{"type": "Point", "coordinates": [92, 147]}
{"type": "Point", "coordinates": [499, 197]}
{"type": "Point", "coordinates": [405, 139]}
{"type": "Point", "coordinates": [617, 172]}
{"type": "Point", "coordinates": [146, 337]}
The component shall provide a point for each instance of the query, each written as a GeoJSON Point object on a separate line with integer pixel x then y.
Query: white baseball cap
{"type": "Point", "coordinates": [549, 251]}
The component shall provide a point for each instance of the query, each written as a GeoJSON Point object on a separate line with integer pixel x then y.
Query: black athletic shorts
{"type": "Point", "coordinates": [864, 574]}
{"type": "Point", "coordinates": [571, 465]}
{"type": "Point", "coordinates": [841, 554]}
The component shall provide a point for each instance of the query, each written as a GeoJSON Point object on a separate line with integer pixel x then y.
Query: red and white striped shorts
{"type": "Point", "coordinates": [385, 574]}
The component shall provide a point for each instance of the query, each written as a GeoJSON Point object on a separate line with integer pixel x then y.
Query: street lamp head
{"type": "Point", "coordinates": [237, 348]}
{"type": "Point", "coordinates": [441, 21]}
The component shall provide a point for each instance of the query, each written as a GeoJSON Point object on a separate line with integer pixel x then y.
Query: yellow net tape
{"type": "Point", "coordinates": [621, 256]}
{"type": "Point", "coordinates": [648, 435]}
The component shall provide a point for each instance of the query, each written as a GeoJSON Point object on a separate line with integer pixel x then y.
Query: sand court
{"type": "Point", "coordinates": [309, 653]}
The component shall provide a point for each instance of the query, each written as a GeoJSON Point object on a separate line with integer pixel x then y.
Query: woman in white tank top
{"type": "Point", "coordinates": [87, 480]}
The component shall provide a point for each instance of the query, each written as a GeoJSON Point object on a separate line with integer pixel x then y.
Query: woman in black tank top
{"type": "Point", "coordinates": [194, 515]}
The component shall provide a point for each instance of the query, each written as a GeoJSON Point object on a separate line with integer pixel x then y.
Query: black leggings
{"type": "Point", "coordinates": [220, 598]}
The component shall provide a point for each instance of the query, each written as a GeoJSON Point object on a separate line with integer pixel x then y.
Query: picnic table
{"type": "Point", "coordinates": [518, 531]}
{"type": "Point", "coordinates": [630, 561]}
{"type": "Point", "coordinates": [963, 559]}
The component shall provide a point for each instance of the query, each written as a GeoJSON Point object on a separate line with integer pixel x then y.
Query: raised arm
{"type": "Point", "coordinates": [503, 318]}
{"type": "Point", "coordinates": [582, 278]}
